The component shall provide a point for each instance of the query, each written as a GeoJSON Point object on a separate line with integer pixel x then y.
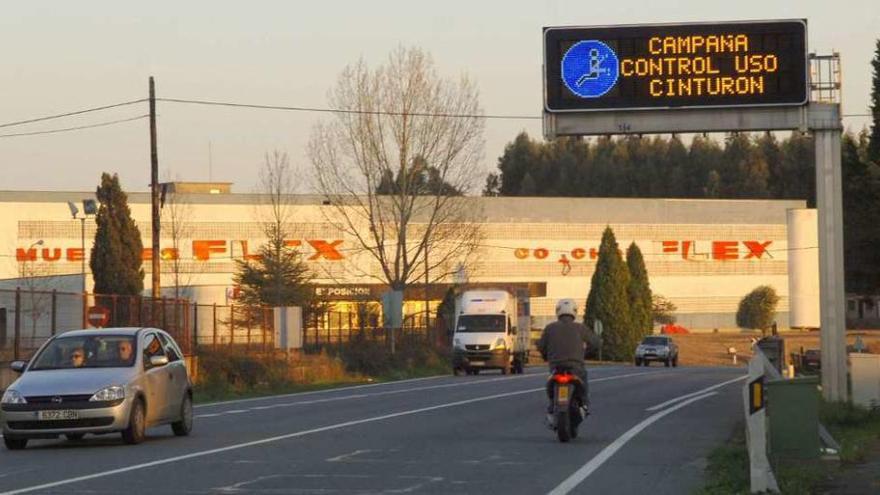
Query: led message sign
{"type": "Point", "coordinates": [669, 66]}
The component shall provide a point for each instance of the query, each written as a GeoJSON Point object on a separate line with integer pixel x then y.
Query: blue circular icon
{"type": "Point", "coordinates": [590, 68]}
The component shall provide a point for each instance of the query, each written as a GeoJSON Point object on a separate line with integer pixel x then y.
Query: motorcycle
{"type": "Point", "coordinates": [566, 391]}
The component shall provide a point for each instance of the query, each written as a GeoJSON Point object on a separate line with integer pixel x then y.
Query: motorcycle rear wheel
{"type": "Point", "coordinates": [563, 427]}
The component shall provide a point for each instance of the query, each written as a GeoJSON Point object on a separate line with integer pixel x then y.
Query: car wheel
{"type": "Point", "coordinates": [15, 443]}
{"type": "Point", "coordinates": [675, 362]}
{"type": "Point", "coordinates": [135, 431]}
{"type": "Point", "coordinates": [638, 362]}
{"type": "Point", "coordinates": [75, 437]}
{"type": "Point", "coordinates": [668, 362]}
{"type": "Point", "coordinates": [184, 426]}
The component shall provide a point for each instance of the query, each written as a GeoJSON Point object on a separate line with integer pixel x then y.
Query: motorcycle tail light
{"type": "Point", "coordinates": [562, 378]}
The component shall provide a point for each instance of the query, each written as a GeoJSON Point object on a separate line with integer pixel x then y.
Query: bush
{"type": "Point", "coordinates": [413, 355]}
{"type": "Point", "coordinates": [757, 309]}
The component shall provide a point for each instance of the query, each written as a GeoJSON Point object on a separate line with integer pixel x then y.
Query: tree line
{"type": "Point", "coordinates": [742, 166]}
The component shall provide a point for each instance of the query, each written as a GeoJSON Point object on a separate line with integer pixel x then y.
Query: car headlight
{"type": "Point", "coordinates": [499, 345]}
{"type": "Point", "coordinates": [114, 392]}
{"type": "Point", "coordinates": [12, 397]}
{"type": "Point", "coordinates": [457, 343]}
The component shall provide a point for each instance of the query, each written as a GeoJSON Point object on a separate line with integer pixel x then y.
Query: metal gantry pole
{"type": "Point", "coordinates": [826, 127]}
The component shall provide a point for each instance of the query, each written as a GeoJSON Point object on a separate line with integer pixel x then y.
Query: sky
{"type": "Point", "coordinates": [63, 56]}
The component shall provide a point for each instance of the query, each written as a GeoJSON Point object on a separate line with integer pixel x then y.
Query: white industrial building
{"type": "Point", "coordinates": [703, 255]}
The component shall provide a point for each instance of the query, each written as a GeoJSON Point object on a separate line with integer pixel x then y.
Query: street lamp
{"type": "Point", "coordinates": [89, 208]}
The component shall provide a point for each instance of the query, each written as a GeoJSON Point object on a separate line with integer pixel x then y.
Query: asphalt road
{"type": "Point", "coordinates": [650, 431]}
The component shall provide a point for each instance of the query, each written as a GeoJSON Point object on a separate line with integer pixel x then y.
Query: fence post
{"type": "Point", "coordinates": [195, 326]}
{"type": "Point", "coordinates": [263, 328]}
{"type": "Point", "coordinates": [214, 340]}
{"type": "Point", "coordinates": [85, 309]}
{"type": "Point", "coordinates": [231, 324]}
{"type": "Point", "coordinates": [115, 320]}
{"type": "Point", "coordinates": [54, 311]}
{"type": "Point", "coordinates": [16, 343]}
{"type": "Point", "coordinates": [247, 319]}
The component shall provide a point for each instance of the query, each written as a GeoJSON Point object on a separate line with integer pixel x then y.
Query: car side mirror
{"type": "Point", "coordinates": [158, 361]}
{"type": "Point", "coordinates": [18, 366]}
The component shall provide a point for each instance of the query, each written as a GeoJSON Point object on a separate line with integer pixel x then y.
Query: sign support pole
{"type": "Point", "coordinates": [829, 201]}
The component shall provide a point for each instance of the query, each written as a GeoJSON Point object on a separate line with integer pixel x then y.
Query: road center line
{"type": "Point", "coordinates": [694, 394]}
{"type": "Point", "coordinates": [315, 392]}
{"type": "Point", "coordinates": [596, 462]}
{"type": "Point", "coordinates": [169, 460]}
{"type": "Point", "coordinates": [388, 392]}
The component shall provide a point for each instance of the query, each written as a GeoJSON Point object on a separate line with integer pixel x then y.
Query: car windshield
{"type": "Point", "coordinates": [86, 351]}
{"type": "Point", "coordinates": [480, 323]}
{"type": "Point", "coordinates": [654, 341]}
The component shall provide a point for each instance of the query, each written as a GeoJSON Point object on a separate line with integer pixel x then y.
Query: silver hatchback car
{"type": "Point", "coordinates": [99, 381]}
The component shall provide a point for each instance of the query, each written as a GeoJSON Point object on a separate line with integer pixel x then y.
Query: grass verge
{"type": "Point", "coordinates": [229, 373]}
{"type": "Point", "coordinates": [856, 429]}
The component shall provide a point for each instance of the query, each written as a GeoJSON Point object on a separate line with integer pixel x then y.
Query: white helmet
{"type": "Point", "coordinates": [566, 307]}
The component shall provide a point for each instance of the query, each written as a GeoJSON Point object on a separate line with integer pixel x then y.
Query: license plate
{"type": "Point", "coordinates": [562, 394]}
{"type": "Point", "coordinates": [477, 363]}
{"type": "Point", "coordinates": [56, 415]}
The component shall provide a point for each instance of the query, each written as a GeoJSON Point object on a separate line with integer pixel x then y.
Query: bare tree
{"type": "Point", "coordinates": [402, 124]}
{"type": "Point", "coordinates": [176, 215]}
{"type": "Point", "coordinates": [36, 297]}
{"type": "Point", "coordinates": [279, 275]}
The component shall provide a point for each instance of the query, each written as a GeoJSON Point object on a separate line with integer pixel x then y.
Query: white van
{"type": "Point", "coordinates": [488, 334]}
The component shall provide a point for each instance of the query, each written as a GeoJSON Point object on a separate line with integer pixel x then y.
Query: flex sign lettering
{"type": "Point", "coordinates": [202, 250]}
{"type": "Point", "coordinates": [687, 250]}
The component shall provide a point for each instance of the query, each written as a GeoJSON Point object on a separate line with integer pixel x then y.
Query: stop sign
{"type": "Point", "coordinates": [98, 316]}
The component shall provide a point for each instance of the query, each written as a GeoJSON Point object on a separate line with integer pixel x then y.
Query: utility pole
{"type": "Point", "coordinates": [154, 190]}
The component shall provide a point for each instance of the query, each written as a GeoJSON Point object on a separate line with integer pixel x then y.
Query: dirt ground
{"type": "Point", "coordinates": [710, 349]}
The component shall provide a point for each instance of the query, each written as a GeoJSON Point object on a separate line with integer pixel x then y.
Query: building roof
{"type": "Point", "coordinates": [520, 209]}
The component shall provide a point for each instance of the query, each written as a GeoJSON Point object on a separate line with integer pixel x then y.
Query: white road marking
{"type": "Point", "coordinates": [344, 457]}
{"type": "Point", "coordinates": [596, 462]}
{"type": "Point", "coordinates": [203, 453]}
{"type": "Point", "coordinates": [325, 391]}
{"type": "Point", "coordinates": [378, 394]}
{"type": "Point", "coordinates": [694, 394]}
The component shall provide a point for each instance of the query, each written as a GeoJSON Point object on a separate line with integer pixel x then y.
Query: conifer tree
{"type": "Point", "coordinates": [639, 293]}
{"type": "Point", "coordinates": [116, 259]}
{"type": "Point", "coordinates": [874, 144]}
{"type": "Point", "coordinates": [608, 301]}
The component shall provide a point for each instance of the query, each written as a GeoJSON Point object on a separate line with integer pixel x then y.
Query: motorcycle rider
{"type": "Point", "coordinates": [562, 345]}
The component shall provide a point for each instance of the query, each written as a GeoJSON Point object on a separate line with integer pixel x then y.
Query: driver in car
{"type": "Point", "coordinates": [78, 357]}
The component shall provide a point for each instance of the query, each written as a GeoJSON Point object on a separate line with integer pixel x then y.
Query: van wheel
{"type": "Point", "coordinates": [15, 443]}
{"type": "Point", "coordinates": [135, 431]}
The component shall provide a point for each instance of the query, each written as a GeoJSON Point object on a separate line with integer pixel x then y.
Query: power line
{"type": "Point", "coordinates": [68, 129]}
{"type": "Point", "coordinates": [77, 112]}
{"type": "Point", "coordinates": [344, 111]}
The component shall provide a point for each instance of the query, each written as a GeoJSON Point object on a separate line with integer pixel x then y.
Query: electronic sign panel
{"type": "Point", "coordinates": [663, 66]}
